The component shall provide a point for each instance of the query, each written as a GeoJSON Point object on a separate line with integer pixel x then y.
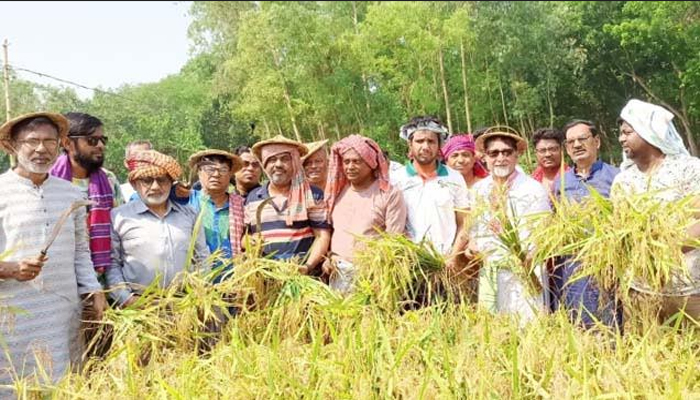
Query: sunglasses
{"type": "Point", "coordinates": [505, 152]}
{"type": "Point", "coordinates": [161, 180]}
{"type": "Point", "coordinates": [92, 140]}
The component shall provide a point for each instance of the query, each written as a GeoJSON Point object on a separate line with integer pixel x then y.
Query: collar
{"type": "Point", "coordinates": [141, 207]}
{"type": "Point", "coordinates": [597, 166]}
{"type": "Point", "coordinates": [441, 169]}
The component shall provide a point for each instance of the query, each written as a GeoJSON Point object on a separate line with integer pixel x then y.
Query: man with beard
{"type": "Point", "coordinates": [435, 195]}
{"type": "Point", "coordinates": [657, 162]}
{"type": "Point", "coordinates": [358, 181]}
{"type": "Point", "coordinates": [507, 196]}
{"type": "Point", "coordinates": [293, 224]}
{"type": "Point", "coordinates": [82, 165]}
{"type": "Point", "coordinates": [45, 289]}
{"type": "Point", "coordinates": [581, 297]}
{"type": "Point", "coordinates": [316, 163]}
{"type": "Point", "coordinates": [151, 235]}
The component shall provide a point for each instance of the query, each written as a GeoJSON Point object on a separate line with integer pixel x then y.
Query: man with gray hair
{"type": "Point", "coordinates": [44, 285]}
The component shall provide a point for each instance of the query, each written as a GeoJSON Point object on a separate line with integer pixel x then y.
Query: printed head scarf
{"type": "Point", "coordinates": [654, 124]}
{"type": "Point", "coordinates": [300, 194]}
{"type": "Point", "coordinates": [370, 152]}
{"type": "Point", "coordinates": [461, 143]}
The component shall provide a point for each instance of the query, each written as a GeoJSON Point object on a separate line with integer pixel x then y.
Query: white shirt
{"type": "Point", "coordinates": [525, 197]}
{"type": "Point", "coordinates": [48, 322]}
{"type": "Point", "coordinates": [431, 205]}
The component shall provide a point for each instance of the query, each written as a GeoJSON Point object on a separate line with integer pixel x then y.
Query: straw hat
{"type": "Point", "coordinates": [6, 128]}
{"type": "Point", "coordinates": [236, 162]}
{"type": "Point", "coordinates": [314, 147]}
{"type": "Point", "coordinates": [501, 131]}
{"type": "Point", "coordinates": [279, 139]}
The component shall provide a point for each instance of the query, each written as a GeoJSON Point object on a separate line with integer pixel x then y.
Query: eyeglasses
{"type": "Point", "coordinates": [33, 144]}
{"type": "Point", "coordinates": [582, 139]}
{"type": "Point", "coordinates": [546, 150]}
{"type": "Point", "coordinates": [161, 180]}
{"type": "Point", "coordinates": [92, 140]}
{"type": "Point", "coordinates": [505, 152]}
{"type": "Point", "coordinates": [210, 169]}
{"type": "Point", "coordinates": [253, 164]}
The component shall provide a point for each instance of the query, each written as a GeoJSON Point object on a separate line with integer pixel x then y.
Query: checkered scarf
{"type": "Point", "coordinates": [236, 222]}
{"type": "Point", "coordinates": [370, 152]}
{"type": "Point", "coordinates": [300, 195]}
{"type": "Point", "coordinates": [150, 163]}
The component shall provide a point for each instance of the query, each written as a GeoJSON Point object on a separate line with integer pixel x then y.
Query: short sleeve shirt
{"type": "Point", "coordinates": [431, 204]}
{"type": "Point", "coordinates": [281, 241]}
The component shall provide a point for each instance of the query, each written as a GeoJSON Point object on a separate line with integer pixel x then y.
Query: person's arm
{"type": "Point", "coordinates": [89, 288]}
{"type": "Point", "coordinates": [119, 290]}
{"type": "Point", "coordinates": [319, 248]}
{"type": "Point", "coordinates": [86, 276]}
{"type": "Point", "coordinates": [396, 213]}
{"type": "Point", "coordinates": [461, 239]}
{"type": "Point", "coordinates": [461, 201]}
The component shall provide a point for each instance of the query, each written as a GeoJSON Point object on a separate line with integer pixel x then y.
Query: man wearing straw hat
{"type": "Point", "coordinates": [358, 181]}
{"type": "Point", "coordinates": [434, 193]}
{"type": "Point", "coordinates": [222, 212]}
{"type": "Point", "coordinates": [151, 235]}
{"type": "Point", "coordinates": [505, 203]}
{"type": "Point", "coordinates": [316, 163]}
{"type": "Point", "coordinates": [657, 161]}
{"type": "Point", "coordinates": [45, 290]}
{"type": "Point", "coordinates": [293, 223]}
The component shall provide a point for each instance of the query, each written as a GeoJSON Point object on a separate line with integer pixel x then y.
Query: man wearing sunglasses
{"type": "Point", "coordinates": [81, 164]}
{"type": "Point", "coordinates": [151, 236]}
{"type": "Point", "coordinates": [508, 197]}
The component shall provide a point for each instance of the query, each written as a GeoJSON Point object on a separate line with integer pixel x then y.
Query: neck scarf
{"type": "Point", "coordinates": [99, 221]}
{"type": "Point", "coordinates": [300, 196]}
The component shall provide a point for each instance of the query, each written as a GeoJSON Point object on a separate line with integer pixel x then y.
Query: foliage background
{"type": "Point", "coordinates": [313, 70]}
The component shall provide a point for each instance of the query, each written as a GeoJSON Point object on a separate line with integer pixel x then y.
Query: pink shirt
{"type": "Point", "coordinates": [358, 213]}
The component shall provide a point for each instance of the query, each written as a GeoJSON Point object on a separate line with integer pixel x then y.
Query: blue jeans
{"type": "Point", "coordinates": [582, 297]}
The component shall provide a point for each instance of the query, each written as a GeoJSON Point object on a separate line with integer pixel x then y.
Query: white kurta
{"type": "Point", "coordinates": [46, 324]}
{"type": "Point", "coordinates": [525, 198]}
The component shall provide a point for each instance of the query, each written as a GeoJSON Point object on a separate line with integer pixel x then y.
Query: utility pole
{"type": "Point", "coordinates": [6, 73]}
{"type": "Point", "coordinates": [6, 69]}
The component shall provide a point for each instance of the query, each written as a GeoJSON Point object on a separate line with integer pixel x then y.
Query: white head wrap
{"type": "Point", "coordinates": [654, 124]}
{"type": "Point", "coordinates": [409, 129]}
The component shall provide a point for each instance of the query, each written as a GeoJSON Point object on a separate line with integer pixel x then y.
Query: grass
{"type": "Point", "coordinates": [400, 334]}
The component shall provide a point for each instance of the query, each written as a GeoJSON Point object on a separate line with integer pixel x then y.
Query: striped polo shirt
{"type": "Point", "coordinates": [281, 241]}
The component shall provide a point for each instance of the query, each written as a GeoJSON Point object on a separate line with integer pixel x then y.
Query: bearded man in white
{"type": "Point", "coordinates": [506, 197]}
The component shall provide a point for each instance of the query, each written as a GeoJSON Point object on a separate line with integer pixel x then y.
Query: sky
{"type": "Point", "coordinates": [96, 44]}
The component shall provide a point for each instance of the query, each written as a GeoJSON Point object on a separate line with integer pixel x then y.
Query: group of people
{"type": "Point", "coordinates": [318, 204]}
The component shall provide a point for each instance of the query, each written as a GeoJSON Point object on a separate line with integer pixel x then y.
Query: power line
{"type": "Point", "coordinates": [16, 68]}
